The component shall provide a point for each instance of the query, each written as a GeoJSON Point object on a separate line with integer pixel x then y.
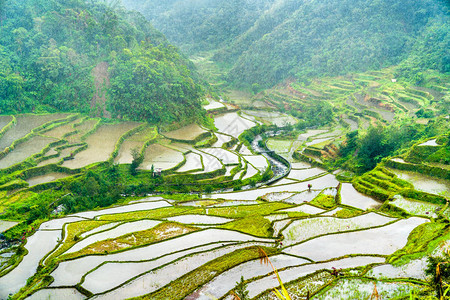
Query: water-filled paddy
{"type": "Point", "coordinates": [5, 225]}
{"type": "Point", "coordinates": [82, 129]}
{"type": "Point", "coordinates": [413, 269]}
{"type": "Point", "coordinates": [124, 271]}
{"type": "Point", "coordinates": [70, 272]}
{"type": "Point", "coordinates": [317, 184]}
{"type": "Point", "coordinates": [221, 139]}
{"type": "Point", "coordinates": [193, 162]}
{"type": "Point", "coordinates": [160, 157]}
{"type": "Point", "coordinates": [57, 294]}
{"type": "Point", "coordinates": [60, 131]}
{"type": "Point", "coordinates": [301, 230]}
{"type": "Point", "coordinates": [4, 120]}
{"type": "Point", "coordinates": [115, 232]}
{"type": "Point", "coordinates": [25, 124]}
{"type": "Point", "coordinates": [273, 117]}
{"type": "Point", "coordinates": [414, 207]}
{"type": "Point", "coordinates": [225, 156]}
{"type": "Point", "coordinates": [257, 161]}
{"type": "Point", "coordinates": [305, 208]}
{"type": "Point", "coordinates": [431, 142]}
{"type": "Point", "coordinates": [136, 141]}
{"type": "Point", "coordinates": [186, 133]}
{"type": "Point", "coordinates": [158, 278]}
{"type": "Point", "coordinates": [269, 282]}
{"type": "Point", "coordinates": [226, 281]}
{"type": "Point", "coordinates": [38, 245]}
{"type": "Point", "coordinates": [123, 209]}
{"type": "Point", "coordinates": [232, 124]}
{"type": "Point", "coordinates": [24, 150]}
{"type": "Point", "coordinates": [100, 145]}
{"type": "Point", "coordinates": [383, 240]}
{"type": "Point", "coordinates": [46, 178]}
{"type": "Point", "coordinates": [351, 197]}
{"type": "Point", "coordinates": [358, 289]}
{"type": "Point", "coordinates": [212, 105]}
{"type": "Point", "coordinates": [424, 183]}
{"type": "Point", "coordinates": [304, 174]}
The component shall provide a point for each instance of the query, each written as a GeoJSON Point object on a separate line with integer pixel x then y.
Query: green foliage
{"type": "Point", "coordinates": [266, 41]}
{"type": "Point", "coordinates": [241, 289]}
{"type": "Point", "coordinates": [48, 50]}
{"type": "Point", "coordinates": [255, 225]}
{"type": "Point", "coordinates": [153, 83]}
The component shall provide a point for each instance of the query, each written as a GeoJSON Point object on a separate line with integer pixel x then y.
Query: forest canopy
{"type": "Point", "coordinates": [268, 41]}
{"type": "Point", "coordinates": [48, 49]}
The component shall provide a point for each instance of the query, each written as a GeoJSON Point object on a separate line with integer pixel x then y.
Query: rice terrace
{"type": "Point", "coordinates": [336, 186]}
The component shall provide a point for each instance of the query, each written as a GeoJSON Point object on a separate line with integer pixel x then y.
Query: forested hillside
{"type": "Point", "coordinates": [268, 41]}
{"type": "Point", "coordinates": [49, 48]}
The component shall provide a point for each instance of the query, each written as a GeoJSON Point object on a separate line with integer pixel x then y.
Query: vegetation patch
{"type": "Point", "coordinates": [160, 232]}
{"type": "Point", "coordinates": [255, 225]}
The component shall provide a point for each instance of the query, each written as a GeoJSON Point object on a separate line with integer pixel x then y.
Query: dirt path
{"type": "Point", "coordinates": [101, 80]}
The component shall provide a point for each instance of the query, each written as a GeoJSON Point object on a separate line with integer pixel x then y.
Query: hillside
{"type": "Point", "coordinates": [49, 49]}
{"type": "Point", "coordinates": [270, 41]}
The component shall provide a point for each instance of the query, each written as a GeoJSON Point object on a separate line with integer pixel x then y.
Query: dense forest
{"type": "Point", "coordinates": [267, 41]}
{"type": "Point", "coordinates": [49, 48]}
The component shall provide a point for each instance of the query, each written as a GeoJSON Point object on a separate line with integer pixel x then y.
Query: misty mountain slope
{"type": "Point", "coordinates": [294, 38]}
{"type": "Point", "coordinates": [48, 49]}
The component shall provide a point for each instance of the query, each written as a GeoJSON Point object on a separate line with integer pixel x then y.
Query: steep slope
{"type": "Point", "coordinates": [293, 38]}
{"type": "Point", "coordinates": [48, 49]}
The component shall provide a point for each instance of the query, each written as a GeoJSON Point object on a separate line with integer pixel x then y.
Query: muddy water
{"type": "Point", "coordinates": [25, 150]}
{"type": "Point", "coordinates": [60, 131]}
{"type": "Point", "coordinates": [38, 246]}
{"type": "Point", "coordinates": [301, 230]}
{"type": "Point", "coordinates": [232, 124]}
{"type": "Point", "coordinates": [384, 240]}
{"type": "Point", "coordinates": [70, 272]}
{"type": "Point", "coordinates": [4, 120]}
{"type": "Point", "coordinates": [82, 129]}
{"type": "Point", "coordinates": [46, 178]}
{"type": "Point", "coordinates": [160, 157]}
{"type": "Point", "coordinates": [353, 124]}
{"type": "Point", "coordinates": [269, 282]}
{"type": "Point", "coordinates": [425, 183]}
{"type": "Point", "coordinates": [63, 153]}
{"type": "Point", "coordinates": [100, 145]}
{"type": "Point", "coordinates": [25, 124]}
{"type": "Point", "coordinates": [273, 117]}
{"type": "Point", "coordinates": [350, 196]}
{"type": "Point", "coordinates": [226, 281]}
{"type": "Point", "coordinates": [64, 293]}
{"type": "Point", "coordinates": [193, 162]}
{"type": "Point", "coordinates": [136, 141]}
{"type": "Point", "coordinates": [5, 225]}
{"type": "Point", "coordinates": [189, 132]}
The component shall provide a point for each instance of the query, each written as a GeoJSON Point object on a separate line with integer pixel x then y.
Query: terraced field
{"type": "Point", "coordinates": [329, 237]}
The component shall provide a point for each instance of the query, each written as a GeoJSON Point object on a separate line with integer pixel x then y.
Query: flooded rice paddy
{"type": "Point", "coordinates": [159, 156]}
{"type": "Point", "coordinates": [49, 177]}
{"type": "Point", "coordinates": [24, 150]}
{"type": "Point", "coordinates": [100, 145]}
{"type": "Point", "coordinates": [186, 133]}
{"type": "Point", "coordinates": [304, 238]}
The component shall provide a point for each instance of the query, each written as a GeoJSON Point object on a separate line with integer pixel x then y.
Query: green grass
{"type": "Point", "coordinates": [254, 225]}
{"type": "Point", "coordinates": [324, 201]}
{"type": "Point", "coordinates": [244, 211]}
{"type": "Point", "coordinates": [422, 240]}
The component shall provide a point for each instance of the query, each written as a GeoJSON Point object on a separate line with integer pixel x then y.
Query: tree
{"type": "Point", "coordinates": [137, 160]}
{"type": "Point", "coordinates": [241, 289]}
